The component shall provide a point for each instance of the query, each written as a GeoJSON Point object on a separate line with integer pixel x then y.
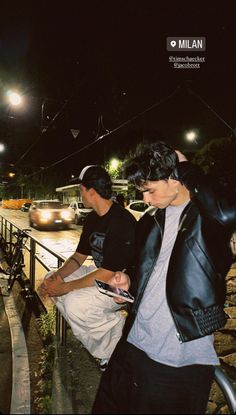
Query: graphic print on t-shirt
{"type": "Point", "coordinates": [96, 241]}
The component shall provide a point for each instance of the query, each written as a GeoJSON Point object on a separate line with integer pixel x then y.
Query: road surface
{"type": "Point", "coordinates": [63, 242]}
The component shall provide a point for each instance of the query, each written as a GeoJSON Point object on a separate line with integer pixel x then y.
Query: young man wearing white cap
{"type": "Point", "coordinates": [107, 236]}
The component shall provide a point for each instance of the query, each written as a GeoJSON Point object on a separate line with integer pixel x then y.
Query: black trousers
{"type": "Point", "coordinates": [135, 384]}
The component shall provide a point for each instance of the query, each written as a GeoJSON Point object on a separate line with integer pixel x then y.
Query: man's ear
{"type": "Point", "coordinates": [92, 191]}
{"type": "Point", "coordinates": [174, 183]}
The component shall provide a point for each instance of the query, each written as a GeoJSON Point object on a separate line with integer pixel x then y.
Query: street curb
{"type": "Point", "coordinates": [20, 397]}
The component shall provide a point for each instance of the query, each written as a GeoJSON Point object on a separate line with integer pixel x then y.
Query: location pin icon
{"type": "Point", "coordinates": [173, 43]}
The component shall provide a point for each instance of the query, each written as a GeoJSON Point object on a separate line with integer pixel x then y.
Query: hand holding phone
{"type": "Point", "coordinates": [108, 289]}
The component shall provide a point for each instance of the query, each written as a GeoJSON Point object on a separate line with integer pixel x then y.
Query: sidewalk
{"type": "Point", "coordinates": [5, 361]}
{"type": "Point", "coordinates": [75, 379]}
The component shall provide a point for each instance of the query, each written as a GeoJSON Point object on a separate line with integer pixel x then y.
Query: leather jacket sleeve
{"type": "Point", "coordinates": [214, 201]}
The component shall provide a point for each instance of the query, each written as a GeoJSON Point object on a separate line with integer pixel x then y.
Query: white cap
{"type": "Point", "coordinates": [83, 171]}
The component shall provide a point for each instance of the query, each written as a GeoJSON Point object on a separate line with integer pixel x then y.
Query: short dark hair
{"type": "Point", "coordinates": [96, 177]}
{"type": "Point", "coordinates": [151, 162]}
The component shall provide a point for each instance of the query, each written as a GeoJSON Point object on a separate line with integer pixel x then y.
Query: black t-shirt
{"type": "Point", "coordinates": [109, 239]}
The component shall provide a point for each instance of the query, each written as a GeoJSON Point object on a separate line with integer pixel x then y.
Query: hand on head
{"type": "Point", "coordinates": [181, 156]}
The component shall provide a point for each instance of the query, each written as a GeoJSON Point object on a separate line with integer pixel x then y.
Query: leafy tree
{"type": "Point", "coordinates": [218, 158]}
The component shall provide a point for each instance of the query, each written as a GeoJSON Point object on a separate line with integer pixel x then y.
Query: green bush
{"type": "Point", "coordinates": [43, 393]}
{"type": "Point", "coordinates": [47, 324]}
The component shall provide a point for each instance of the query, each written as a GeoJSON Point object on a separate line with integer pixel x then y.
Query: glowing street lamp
{"type": "Point", "coordinates": [2, 147]}
{"type": "Point", "coordinates": [191, 136]}
{"type": "Point", "coordinates": [11, 174]}
{"type": "Point", "coordinates": [14, 98]}
{"type": "Point", "coordinates": [114, 164]}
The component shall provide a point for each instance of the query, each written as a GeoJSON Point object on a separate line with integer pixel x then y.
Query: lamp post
{"type": "Point", "coordinates": [15, 99]}
{"type": "Point", "coordinates": [114, 164]}
{"type": "Point", "coordinates": [191, 136]}
{"type": "Point", "coordinates": [113, 167]}
{"type": "Point", "coordinates": [22, 190]}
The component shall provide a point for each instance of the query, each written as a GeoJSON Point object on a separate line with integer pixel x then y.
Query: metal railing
{"type": "Point", "coordinates": [227, 388]}
{"type": "Point", "coordinates": [32, 246]}
{"type": "Point", "coordinates": [7, 228]}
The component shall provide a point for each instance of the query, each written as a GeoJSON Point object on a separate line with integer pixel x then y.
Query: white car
{"type": "Point", "coordinates": [233, 244]}
{"type": "Point", "coordinates": [80, 211]}
{"type": "Point", "coordinates": [138, 208]}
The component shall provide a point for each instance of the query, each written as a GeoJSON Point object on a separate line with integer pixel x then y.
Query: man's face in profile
{"type": "Point", "coordinates": [161, 193]}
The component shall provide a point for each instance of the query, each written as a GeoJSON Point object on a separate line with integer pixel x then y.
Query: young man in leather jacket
{"type": "Point", "coordinates": [164, 362]}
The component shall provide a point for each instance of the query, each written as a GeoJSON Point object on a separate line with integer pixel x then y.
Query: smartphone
{"type": "Point", "coordinates": [108, 289]}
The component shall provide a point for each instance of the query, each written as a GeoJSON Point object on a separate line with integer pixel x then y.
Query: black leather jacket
{"type": "Point", "coordinates": [200, 260]}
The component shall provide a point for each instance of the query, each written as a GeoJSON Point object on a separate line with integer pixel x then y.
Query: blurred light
{"type": "Point", "coordinates": [11, 174]}
{"type": "Point", "coordinates": [2, 147]}
{"type": "Point", "coordinates": [46, 214]}
{"type": "Point", "coordinates": [191, 136]}
{"type": "Point", "coordinates": [114, 164]}
{"type": "Point", "coordinates": [15, 98]}
{"type": "Point", "coordinates": [66, 214]}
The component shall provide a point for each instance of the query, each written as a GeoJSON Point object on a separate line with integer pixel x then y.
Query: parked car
{"type": "Point", "coordinates": [50, 213]}
{"type": "Point", "coordinates": [233, 244]}
{"type": "Point", "coordinates": [25, 207]}
{"type": "Point", "coordinates": [138, 208]}
{"type": "Point", "coordinates": [80, 212]}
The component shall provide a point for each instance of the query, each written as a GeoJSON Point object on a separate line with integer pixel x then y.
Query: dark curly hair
{"type": "Point", "coordinates": [150, 162]}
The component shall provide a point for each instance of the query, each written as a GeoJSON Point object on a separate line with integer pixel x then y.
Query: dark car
{"type": "Point", "coordinates": [25, 207]}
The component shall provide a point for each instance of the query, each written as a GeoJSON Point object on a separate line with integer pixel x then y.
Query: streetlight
{"type": "Point", "coordinates": [14, 98]}
{"type": "Point", "coordinates": [11, 174]}
{"type": "Point", "coordinates": [114, 164]}
{"type": "Point", "coordinates": [113, 167]}
{"type": "Point", "coordinates": [191, 136]}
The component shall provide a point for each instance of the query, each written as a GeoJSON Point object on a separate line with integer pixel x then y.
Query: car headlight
{"type": "Point", "coordinates": [66, 215]}
{"type": "Point", "coordinates": [46, 215]}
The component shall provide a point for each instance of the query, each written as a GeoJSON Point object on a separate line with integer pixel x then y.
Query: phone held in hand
{"type": "Point", "coordinates": [108, 289]}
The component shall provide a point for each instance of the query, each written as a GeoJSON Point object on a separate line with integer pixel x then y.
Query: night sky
{"type": "Point", "coordinates": [93, 65]}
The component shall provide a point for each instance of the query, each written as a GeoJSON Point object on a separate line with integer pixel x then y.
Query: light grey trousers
{"type": "Point", "coordinates": [95, 319]}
